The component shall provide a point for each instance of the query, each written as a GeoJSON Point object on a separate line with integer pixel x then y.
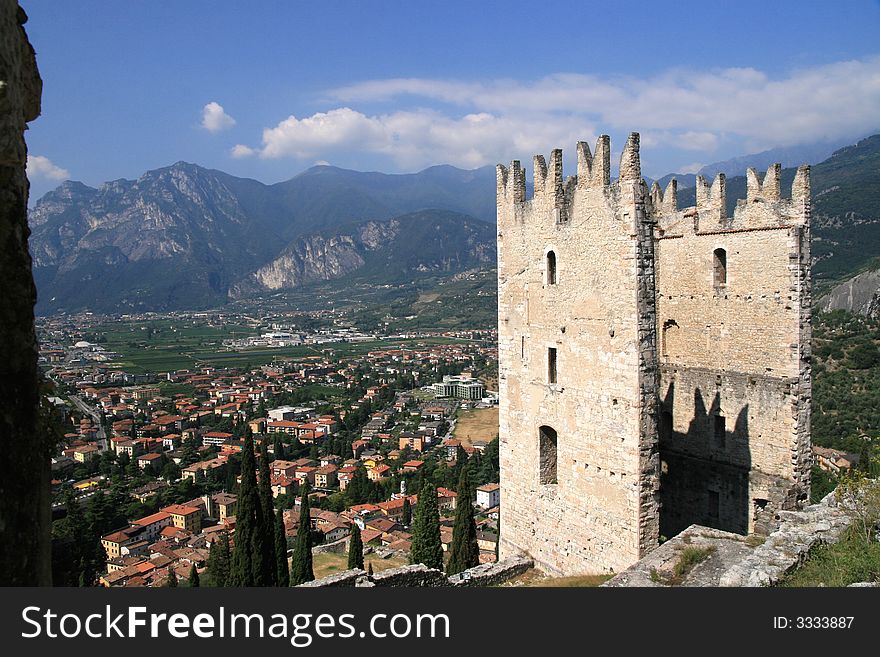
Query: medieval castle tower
{"type": "Point", "coordinates": [654, 362]}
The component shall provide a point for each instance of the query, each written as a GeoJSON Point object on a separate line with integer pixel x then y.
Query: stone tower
{"type": "Point", "coordinates": [614, 322]}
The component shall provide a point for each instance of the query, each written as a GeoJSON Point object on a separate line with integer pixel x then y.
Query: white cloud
{"type": "Point", "coordinates": [678, 109]}
{"type": "Point", "coordinates": [240, 150]}
{"type": "Point", "coordinates": [418, 137]}
{"type": "Point", "coordinates": [215, 119]}
{"type": "Point", "coordinates": [808, 104]}
{"type": "Point", "coordinates": [39, 166]}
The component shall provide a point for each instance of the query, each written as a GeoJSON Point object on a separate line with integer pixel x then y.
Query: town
{"type": "Point", "coordinates": [146, 476]}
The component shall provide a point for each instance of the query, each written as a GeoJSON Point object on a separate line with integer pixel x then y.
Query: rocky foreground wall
{"type": "Point", "coordinates": [422, 576]}
{"type": "Point", "coordinates": [735, 560]}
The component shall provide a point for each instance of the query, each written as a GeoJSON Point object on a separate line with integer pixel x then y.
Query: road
{"type": "Point", "coordinates": [96, 419]}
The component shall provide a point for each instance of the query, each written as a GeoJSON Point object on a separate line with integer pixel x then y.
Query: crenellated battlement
{"type": "Point", "coordinates": [653, 360]}
{"type": "Point", "coordinates": [763, 207]}
{"type": "Point", "coordinates": [555, 192]}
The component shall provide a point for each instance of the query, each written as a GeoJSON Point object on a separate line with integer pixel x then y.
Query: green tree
{"type": "Point", "coordinates": [193, 577]}
{"type": "Point", "coordinates": [247, 568]}
{"type": "Point", "coordinates": [218, 561]}
{"type": "Point", "coordinates": [464, 552]}
{"type": "Point", "coordinates": [171, 472]}
{"type": "Point", "coordinates": [301, 569]}
{"type": "Point", "coordinates": [359, 488]}
{"type": "Point", "coordinates": [278, 447]}
{"type": "Point", "coordinates": [406, 518]}
{"type": "Point", "coordinates": [171, 580]}
{"type": "Point", "coordinates": [355, 548]}
{"type": "Point", "coordinates": [282, 575]}
{"type": "Point", "coordinates": [267, 519]}
{"type": "Point", "coordinates": [426, 546]}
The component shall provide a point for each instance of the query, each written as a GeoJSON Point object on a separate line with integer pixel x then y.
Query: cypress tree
{"type": "Point", "coordinates": [370, 569]}
{"type": "Point", "coordinates": [278, 448]}
{"type": "Point", "coordinates": [301, 569]}
{"type": "Point", "coordinates": [355, 548]}
{"type": "Point", "coordinates": [407, 512]}
{"type": "Point", "coordinates": [218, 561]}
{"type": "Point", "coordinates": [426, 546]}
{"type": "Point", "coordinates": [171, 581]}
{"type": "Point", "coordinates": [464, 552]}
{"type": "Point", "coordinates": [193, 577]}
{"type": "Point", "coordinates": [246, 568]}
{"type": "Point", "coordinates": [282, 574]}
{"type": "Point", "coordinates": [267, 519]}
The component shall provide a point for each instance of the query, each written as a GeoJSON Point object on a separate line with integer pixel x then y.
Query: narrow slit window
{"type": "Point", "coordinates": [719, 260]}
{"type": "Point", "coordinates": [551, 365]}
{"type": "Point", "coordinates": [665, 424]}
{"type": "Point", "coordinates": [547, 444]}
{"type": "Point", "coordinates": [714, 506]}
{"type": "Point", "coordinates": [720, 431]}
{"type": "Point", "coordinates": [551, 268]}
{"type": "Point", "coordinates": [522, 347]}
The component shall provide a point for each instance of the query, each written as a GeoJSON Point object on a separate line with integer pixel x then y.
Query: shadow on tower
{"type": "Point", "coordinates": [704, 476]}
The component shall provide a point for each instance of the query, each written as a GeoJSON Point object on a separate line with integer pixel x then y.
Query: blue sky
{"type": "Point", "coordinates": [267, 89]}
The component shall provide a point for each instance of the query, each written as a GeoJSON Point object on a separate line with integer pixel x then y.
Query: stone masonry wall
{"type": "Point", "coordinates": [600, 513]}
{"type": "Point", "coordinates": [735, 560]}
{"type": "Point", "coordinates": [654, 363]}
{"type": "Point", "coordinates": [420, 575]}
{"type": "Point", "coordinates": [735, 378]}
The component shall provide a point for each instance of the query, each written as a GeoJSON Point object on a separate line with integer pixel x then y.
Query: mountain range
{"type": "Point", "coordinates": [188, 237]}
{"type": "Point", "coordinates": [185, 237]}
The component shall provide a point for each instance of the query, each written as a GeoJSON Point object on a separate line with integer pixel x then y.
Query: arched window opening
{"type": "Point", "coordinates": [667, 335]}
{"type": "Point", "coordinates": [548, 454]}
{"type": "Point", "coordinates": [551, 268]}
{"type": "Point", "coordinates": [719, 260]}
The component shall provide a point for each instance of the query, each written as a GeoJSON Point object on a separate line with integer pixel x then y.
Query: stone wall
{"type": "Point", "coordinates": [599, 511]}
{"type": "Point", "coordinates": [422, 576]}
{"type": "Point", "coordinates": [654, 362]}
{"type": "Point", "coordinates": [24, 457]}
{"type": "Point", "coordinates": [736, 560]}
{"type": "Point", "coordinates": [734, 355]}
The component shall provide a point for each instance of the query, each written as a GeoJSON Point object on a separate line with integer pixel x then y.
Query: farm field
{"type": "Point", "coordinates": [479, 424]}
{"type": "Point", "coordinates": [166, 345]}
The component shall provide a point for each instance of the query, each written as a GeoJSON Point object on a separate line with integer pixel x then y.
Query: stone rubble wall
{"type": "Point", "coordinates": [422, 576]}
{"type": "Point", "coordinates": [737, 560]}
{"type": "Point", "coordinates": [336, 547]}
{"type": "Point", "coordinates": [787, 547]}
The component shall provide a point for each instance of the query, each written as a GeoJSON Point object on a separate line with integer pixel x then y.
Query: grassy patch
{"type": "Point", "coordinates": [327, 563]}
{"type": "Point", "coordinates": [479, 424]}
{"type": "Point", "coordinates": [851, 560]}
{"type": "Point", "coordinates": [754, 540]}
{"type": "Point", "coordinates": [688, 558]}
{"type": "Point", "coordinates": [534, 577]}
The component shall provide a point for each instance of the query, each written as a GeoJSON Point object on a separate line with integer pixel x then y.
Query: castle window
{"type": "Point", "coordinates": [551, 268]}
{"type": "Point", "coordinates": [668, 333]}
{"type": "Point", "coordinates": [547, 456]}
{"type": "Point", "coordinates": [719, 267]}
{"type": "Point", "coordinates": [714, 506]}
{"type": "Point", "coordinates": [551, 365]}
{"type": "Point", "coordinates": [665, 424]}
{"type": "Point", "coordinates": [720, 430]}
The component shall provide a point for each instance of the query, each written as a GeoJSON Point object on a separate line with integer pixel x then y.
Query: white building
{"type": "Point", "coordinates": [488, 495]}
